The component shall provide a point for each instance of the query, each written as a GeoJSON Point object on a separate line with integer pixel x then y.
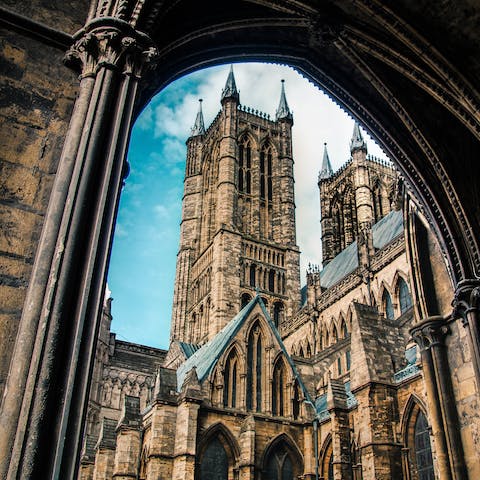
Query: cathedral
{"type": "Point", "coordinates": [263, 378]}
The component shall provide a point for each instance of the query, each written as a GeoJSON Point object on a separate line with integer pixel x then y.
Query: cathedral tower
{"type": "Point", "coordinates": [238, 221]}
{"type": "Point", "coordinates": [354, 198]}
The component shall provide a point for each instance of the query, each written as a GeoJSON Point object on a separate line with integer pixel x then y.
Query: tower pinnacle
{"type": "Point", "coordinates": [326, 171]}
{"type": "Point", "coordinates": [199, 127]}
{"type": "Point", "coordinates": [230, 90]}
{"type": "Point", "coordinates": [357, 142]}
{"type": "Point", "coordinates": [283, 111]}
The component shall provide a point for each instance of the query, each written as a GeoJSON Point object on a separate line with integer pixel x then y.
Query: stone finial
{"type": "Point", "coordinates": [283, 111]}
{"type": "Point", "coordinates": [357, 142]}
{"type": "Point", "coordinates": [326, 171]}
{"type": "Point", "coordinates": [230, 90]}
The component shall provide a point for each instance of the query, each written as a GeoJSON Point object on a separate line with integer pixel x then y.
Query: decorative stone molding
{"type": "Point", "coordinates": [431, 332]}
{"type": "Point", "coordinates": [467, 299]}
{"type": "Point", "coordinates": [111, 43]}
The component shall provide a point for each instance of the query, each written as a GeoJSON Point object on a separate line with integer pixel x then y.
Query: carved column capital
{"type": "Point", "coordinates": [111, 43]}
{"type": "Point", "coordinates": [467, 299]}
{"type": "Point", "coordinates": [430, 332]}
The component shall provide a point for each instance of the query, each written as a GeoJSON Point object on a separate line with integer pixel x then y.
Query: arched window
{"type": "Point", "coordinates": [245, 300]}
{"type": "Point", "coordinates": [388, 305]}
{"type": "Point", "coordinates": [339, 366]}
{"type": "Point", "coordinates": [271, 280]}
{"type": "Point", "coordinates": [277, 313]}
{"type": "Point", "coordinates": [348, 359]}
{"type": "Point", "coordinates": [244, 166]}
{"type": "Point", "coordinates": [296, 401]}
{"type": "Point", "coordinates": [252, 276]}
{"type": "Point", "coordinates": [214, 462]}
{"type": "Point", "coordinates": [404, 298]}
{"type": "Point", "coordinates": [266, 173]}
{"type": "Point", "coordinates": [281, 463]}
{"type": "Point", "coordinates": [231, 381]}
{"type": "Point", "coordinates": [279, 382]}
{"type": "Point", "coordinates": [254, 369]}
{"type": "Point", "coordinates": [423, 450]}
{"type": "Point", "coordinates": [344, 329]}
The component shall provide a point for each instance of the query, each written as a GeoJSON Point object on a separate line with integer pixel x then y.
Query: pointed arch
{"type": "Point", "coordinates": [403, 295]}
{"type": "Point", "coordinates": [231, 378]}
{"type": "Point", "coordinates": [387, 304]}
{"type": "Point", "coordinates": [256, 340]}
{"type": "Point", "coordinates": [343, 327]}
{"type": "Point", "coordinates": [416, 438]}
{"type": "Point", "coordinates": [326, 458]}
{"type": "Point", "coordinates": [279, 387]}
{"type": "Point", "coordinates": [218, 453]}
{"type": "Point", "coordinates": [281, 459]}
{"type": "Point", "coordinates": [245, 148]}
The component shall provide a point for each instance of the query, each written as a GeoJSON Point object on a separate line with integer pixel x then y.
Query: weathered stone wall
{"type": "Point", "coordinates": [38, 93]}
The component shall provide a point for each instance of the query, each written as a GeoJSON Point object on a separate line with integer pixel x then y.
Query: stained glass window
{"type": "Point", "coordinates": [423, 450]}
{"type": "Point", "coordinates": [214, 463]}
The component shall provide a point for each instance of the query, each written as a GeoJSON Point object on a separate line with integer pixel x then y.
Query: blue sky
{"type": "Point", "coordinates": [142, 267]}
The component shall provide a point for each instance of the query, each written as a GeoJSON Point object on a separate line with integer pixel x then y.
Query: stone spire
{"type": "Point", "coordinates": [199, 127]}
{"type": "Point", "coordinates": [283, 111]}
{"type": "Point", "coordinates": [357, 142]}
{"type": "Point", "coordinates": [230, 90]}
{"type": "Point", "coordinates": [326, 171]}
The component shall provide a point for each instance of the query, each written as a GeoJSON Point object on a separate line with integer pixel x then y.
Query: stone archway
{"type": "Point", "coordinates": [383, 64]}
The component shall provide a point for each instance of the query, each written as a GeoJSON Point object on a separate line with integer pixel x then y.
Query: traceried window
{"type": "Point", "coordinates": [279, 465]}
{"type": "Point", "coordinates": [231, 381]}
{"type": "Point", "coordinates": [279, 382]}
{"type": "Point", "coordinates": [214, 462]}
{"type": "Point", "coordinates": [404, 298]}
{"type": "Point", "coordinates": [244, 166]}
{"type": "Point", "coordinates": [388, 305]}
{"type": "Point", "coordinates": [254, 369]}
{"type": "Point", "coordinates": [423, 450]}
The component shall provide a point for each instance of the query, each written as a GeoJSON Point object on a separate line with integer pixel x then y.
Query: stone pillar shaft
{"type": "Point", "coordinates": [44, 407]}
{"type": "Point", "coordinates": [430, 335]}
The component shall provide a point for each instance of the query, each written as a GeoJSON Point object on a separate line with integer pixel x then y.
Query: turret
{"type": "Point", "coordinates": [326, 170]}
{"type": "Point", "coordinates": [283, 112]}
{"type": "Point", "coordinates": [230, 91]}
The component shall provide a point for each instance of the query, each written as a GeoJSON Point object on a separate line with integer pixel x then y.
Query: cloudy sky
{"type": "Point", "coordinates": [142, 268]}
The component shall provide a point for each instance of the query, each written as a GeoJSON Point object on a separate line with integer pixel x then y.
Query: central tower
{"type": "Point", "coordinates": [238, 219]}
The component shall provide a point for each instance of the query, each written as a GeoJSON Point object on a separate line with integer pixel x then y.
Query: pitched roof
{"type": "Point", "coordinates": [383, 232]}
{"type": "Point", "coordinates": [207, 356]}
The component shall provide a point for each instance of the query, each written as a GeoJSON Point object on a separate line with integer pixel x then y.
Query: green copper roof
{"type": "Point", "coordinates": [383, 232]}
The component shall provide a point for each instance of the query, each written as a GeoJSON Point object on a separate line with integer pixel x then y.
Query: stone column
{"type": "Point", "coordinates": [340, 425]}
{"type": "Point", "coordinates": [105, 455]}
{"type": "Point", "coordinates": [185, 450]}
{"type": "Point", "coordinates": [467, 307]}
{"type": "Point", "coordinates": [430, 336]}
{"type": "Point", "coordinates": [47, 388]}
{"type": "Point", "coordinates": [129, 440]}
{"type": "Point", "coordinates": [247, 449]}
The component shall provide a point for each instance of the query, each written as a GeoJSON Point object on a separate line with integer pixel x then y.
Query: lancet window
{"type": "Point", "coordinates": [388, 305]}
{"type": "Point", "coordinates": [279, 384]}
{"type": "Point", "coordinates": [254, 369]}
{"type": "Point", "coordinates": [266, 173]}
{"type": "Point", "coordinates": [231, 381]}
{"type": "Point", "coordinates": [244, 166]}
{"type": "Point", "coordinates": [423, 450]}
{"type": "Point", "coordinates": [404, 298]}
